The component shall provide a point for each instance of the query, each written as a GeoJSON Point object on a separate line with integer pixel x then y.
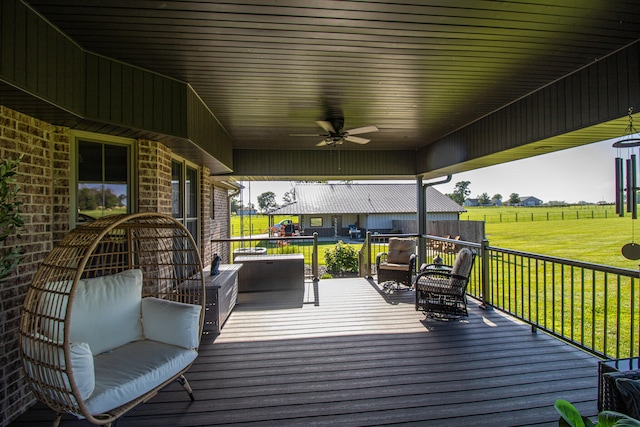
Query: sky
{"type": "Point", "coordinates": [577, 174]}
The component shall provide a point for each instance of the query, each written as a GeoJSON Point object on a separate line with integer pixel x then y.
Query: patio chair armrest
{"type": "Point", "coordinates": [412, 263]}
{"type": "Point", "coordinates": [443, 267]}
{"type": "Point", "coordinates": [382, 256]}
{"type": "Point", "coordinates": [434, 273]}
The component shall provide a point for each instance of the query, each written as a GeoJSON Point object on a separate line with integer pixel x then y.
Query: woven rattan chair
{"type": "Point", "coordinates": [395, 268]}
{"type": "Point", "coordinates": [619, 392]}
{"type": "Point", "coordinates": [441, 289]}
{"type": "Point", "coordinates": [146, 266]}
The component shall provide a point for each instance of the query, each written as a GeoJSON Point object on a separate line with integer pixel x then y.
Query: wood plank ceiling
{"type": "Point", "coordinates": [418, 70]}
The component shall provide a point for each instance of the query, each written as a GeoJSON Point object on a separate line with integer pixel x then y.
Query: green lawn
{"type": "Point", "coordinates": [597, 236]}
{"type": "Point", "coordinates": [598, 240]}
{"type": "Point", "coordinates": [254, 224]}
{"type": "Point", "coordinates": [98, 213]}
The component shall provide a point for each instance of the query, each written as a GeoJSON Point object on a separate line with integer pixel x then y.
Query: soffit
{"type": "Point", "coordinates": [418, 70]}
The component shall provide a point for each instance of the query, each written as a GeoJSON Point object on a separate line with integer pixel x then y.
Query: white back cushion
{"type": "Point", "coordinates": [463, 263]}
{"type": "Point", "coordinates": [171, 322]}
{"type": "Point", "coordinates": [106, 311]}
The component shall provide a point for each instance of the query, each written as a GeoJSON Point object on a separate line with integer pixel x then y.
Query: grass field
{"type": "Point", "coordinates": [589, 233]}
{"type": "Point", "coordinates": [98, 213]}
{"type": "Point", "coordinates": [597, 240]}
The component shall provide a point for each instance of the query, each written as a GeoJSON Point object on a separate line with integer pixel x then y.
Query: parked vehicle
{"type": "Point", "coordinates": [286, 227]}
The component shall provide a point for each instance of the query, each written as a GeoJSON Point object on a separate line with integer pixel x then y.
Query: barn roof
{"type": "Point", "coordinates": [363, 198]}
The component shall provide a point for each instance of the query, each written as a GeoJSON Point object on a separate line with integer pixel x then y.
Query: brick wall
{"type": "Point", "coordinates": [44, 177]}
{"type": "Point", "coordinates": [154, 177]}
{"type": "Point", "coordinates": [220, 224]}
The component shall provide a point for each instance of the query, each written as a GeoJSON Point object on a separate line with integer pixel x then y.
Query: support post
{"type": "Point", "coordinates": [368, 252]}
{"type": "Point", "coordinates": [422, 222]}
{"type": "Point", "coordinates": [484, 275]}
{"type": "Point", "coordinates": [314, 261]}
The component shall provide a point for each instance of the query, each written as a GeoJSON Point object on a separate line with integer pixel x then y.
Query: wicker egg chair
{"type": "Point", "coordinates": [105, 251]}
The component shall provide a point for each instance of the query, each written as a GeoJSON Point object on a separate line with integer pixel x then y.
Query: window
{"type": "Point", "coordinates": [103, 179]}
{"type": "Point", "coordinates": [184, 195]}
{"type": "Point", "coordinates": [315, 221]}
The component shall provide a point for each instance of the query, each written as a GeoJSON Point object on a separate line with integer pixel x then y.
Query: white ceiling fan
{"type": "Point", "coordinates": [336, 135]}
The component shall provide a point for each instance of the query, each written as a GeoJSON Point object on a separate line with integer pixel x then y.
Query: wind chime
{"type": "Point", "coordinates": [628, 182]}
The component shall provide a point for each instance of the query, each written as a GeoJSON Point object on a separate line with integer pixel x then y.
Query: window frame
{"type": "Point", "coordinates": [313, 218]}
{"type": "Point", "coordinates": [75, 138]}
{"type": "Point", "coordinates": [198, 193]}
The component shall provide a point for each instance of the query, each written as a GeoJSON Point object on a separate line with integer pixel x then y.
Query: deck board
{"type": "Point", "coordinates": [357, 356]}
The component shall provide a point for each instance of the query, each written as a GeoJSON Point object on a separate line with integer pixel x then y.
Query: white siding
{"type": "Point", "coordinates": [385, 221]}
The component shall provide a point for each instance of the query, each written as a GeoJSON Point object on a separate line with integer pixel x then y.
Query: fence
{"type": "Point", "coordinates": [538, 215]}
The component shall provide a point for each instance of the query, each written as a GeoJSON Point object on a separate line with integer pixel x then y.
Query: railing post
{"type": "Point", "coordinates": [484, 275]}
{"type": "Point", "coordinates": [368, 252]}
{"type": "Point", "coordinates": [314, 257]}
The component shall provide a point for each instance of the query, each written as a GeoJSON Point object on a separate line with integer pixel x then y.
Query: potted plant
{"type": "Point", "coordinates": [570, 417]}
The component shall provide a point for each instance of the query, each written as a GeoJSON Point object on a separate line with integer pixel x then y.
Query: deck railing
{"type": "Point", "coordinates": [594, 307]}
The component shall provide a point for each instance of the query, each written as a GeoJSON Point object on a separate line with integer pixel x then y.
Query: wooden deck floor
{"type": "Point", "coordinates": [354, 356]}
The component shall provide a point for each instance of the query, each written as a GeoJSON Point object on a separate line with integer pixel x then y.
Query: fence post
{"type": "Point", "coordinates": [314, 257]}
{"type": "Point", "coordinates": [484, 274]}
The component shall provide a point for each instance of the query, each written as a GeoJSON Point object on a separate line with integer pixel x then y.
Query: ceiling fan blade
{"type": "Point", "coordinates": [327, 126]}
{"type": "Point", "coordinates": [356, 139]}
{"type": "Point", "coordinates": [321, 143]}
{"type": "Point", "coordinates": [364, 129]}
{"type": "Point", "coordinates": [305, 134]}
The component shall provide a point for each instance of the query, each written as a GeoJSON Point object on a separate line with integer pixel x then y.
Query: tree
{"type": "Point", "coordinates": [289, 196]}
{"type": "Point", "coordinates": [514, 198]}
{"type": "Point", "coordinates": [88, 199]}
{"type": "Point", "coordinates": [460, 192]}
{"type": "Point", "coordinates": [267, 200]}
{"type": "Point", "coordinates": [484, 199]}
{"type": "Point", "coordinates": [235, 204]}
{"type": "Point", "coordinates": [110, 200]}
{"type": "Point", "coordinates": [497, 199]}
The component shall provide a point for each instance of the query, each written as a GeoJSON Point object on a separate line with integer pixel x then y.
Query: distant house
{"type": "Point", "coordinates": [530, 201]}
{"type": "Point", "coordinates": [329, 209]}
{"type": "Point", "coordinates": [472, 202]}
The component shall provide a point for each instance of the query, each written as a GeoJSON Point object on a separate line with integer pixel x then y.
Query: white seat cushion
{"type": "Point", "coordinates": [127, 372]}
{"type": "Point", "coordinates": [396, 267]}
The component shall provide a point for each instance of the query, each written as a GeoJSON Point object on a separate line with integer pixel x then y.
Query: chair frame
{"type": "Point", "coordinates": [436, 295]}
{"type": "Point", "coordinates": [157, 244]}
{"type": "Point", "coordinates": [397, 277]}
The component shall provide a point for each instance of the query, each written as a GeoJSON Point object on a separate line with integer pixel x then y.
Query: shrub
{"type": "Point", "coordinates": [342, 258]}
{"type": "Point", "coordinates": [326, 276]}
{"type": "Point", "coordinates": [11, 220]}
